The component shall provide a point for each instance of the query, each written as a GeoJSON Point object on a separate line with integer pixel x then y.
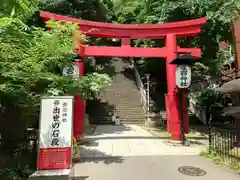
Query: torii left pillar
{"type": "Point", "coordinates": [79, 109]}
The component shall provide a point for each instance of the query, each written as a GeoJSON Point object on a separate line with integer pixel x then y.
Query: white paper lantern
{"type": "Point", "coordinates": [71, 70]}
{"type": "Point", "coordinates": [183, 76]}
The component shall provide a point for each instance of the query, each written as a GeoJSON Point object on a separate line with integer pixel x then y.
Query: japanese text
{"type": "Point", "coordinates": [56, 124]}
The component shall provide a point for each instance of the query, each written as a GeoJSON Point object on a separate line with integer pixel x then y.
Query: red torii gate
{"type": "Point", "coordinates": [127, 32]}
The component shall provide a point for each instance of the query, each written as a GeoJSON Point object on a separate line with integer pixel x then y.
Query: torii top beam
{"type": "Point", "coordinates": [132, 31]}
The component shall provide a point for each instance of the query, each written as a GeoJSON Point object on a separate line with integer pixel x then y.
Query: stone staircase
{"type": "Point", "coordinates": [121, 99]}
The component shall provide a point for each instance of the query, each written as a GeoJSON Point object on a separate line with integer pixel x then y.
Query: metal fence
{"type": "Point", "coordinates": [222, 140]}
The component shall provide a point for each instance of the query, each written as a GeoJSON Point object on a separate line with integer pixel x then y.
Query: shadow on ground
{"type": "Point", "coordinates": [100, 112]}
{"type": "Point", "coordinates": [139, 137]}
{"type": "Point", "coordinates": [79, 178]}
{"type": "Point", "coordinates": [96, 156]}
{"type": "Point", "coordinates": [106, 160]}
{"type": "Point", "coordinates": [113, 130]}
{"type": "Point", "coordinates": [88, 152]}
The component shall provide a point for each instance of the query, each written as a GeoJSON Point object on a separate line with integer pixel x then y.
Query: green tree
{"type": "Point", "coordinates": [220, 14]}
{"type": "Point", "coordinates": [31, 63]}
{"type": "Point", "coordinates": [87, 9]}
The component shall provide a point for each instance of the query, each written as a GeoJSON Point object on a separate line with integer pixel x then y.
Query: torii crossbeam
{"type": "Point", "coordinates": [127, 32]}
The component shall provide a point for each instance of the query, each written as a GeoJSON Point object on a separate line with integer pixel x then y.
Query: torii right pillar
{"type": "Point", "coordinates": [172, 106]}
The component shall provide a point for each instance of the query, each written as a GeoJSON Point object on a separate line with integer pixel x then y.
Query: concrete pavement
{"type": "Point", "coordinates": [130, 140]}
{"type": "Point", "coordinates": [129, 152]}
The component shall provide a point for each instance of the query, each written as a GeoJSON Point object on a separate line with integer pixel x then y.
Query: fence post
{"type": "Point", "coordinates": [209, 121]}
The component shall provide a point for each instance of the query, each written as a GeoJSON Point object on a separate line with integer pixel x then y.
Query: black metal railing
{"type": "Point", "coordinates": [223, 140]}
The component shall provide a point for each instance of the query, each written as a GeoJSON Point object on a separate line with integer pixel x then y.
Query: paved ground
{"type": "Point", "coordinates": [131, 153]}
{"type": "Point", "coordinates": [130, 140]}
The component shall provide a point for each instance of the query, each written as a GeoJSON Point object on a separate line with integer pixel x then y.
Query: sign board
{"type": "Point", "coordinates": [183, 75]}
{"type": "Point", "coordinates": [71, 70]}
{"type": "Point", "coordinates": [55, 135]}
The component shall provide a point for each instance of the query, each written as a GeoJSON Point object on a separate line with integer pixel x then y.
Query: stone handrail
{"type": "Point", "coordinates": [197, 110]}
{"type": "Point", "coordinates": [143, 94]}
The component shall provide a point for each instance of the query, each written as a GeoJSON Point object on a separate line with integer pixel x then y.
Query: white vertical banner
{"type": "Point", "coordinates": [55, 136]}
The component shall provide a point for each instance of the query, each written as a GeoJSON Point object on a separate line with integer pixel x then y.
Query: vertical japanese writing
{"type": "Point", "coordinates": [183, 76]}
{"type": "Point", "coordinates": [56, 123]}
{"type": "Point", "coordinates": [65, 111]}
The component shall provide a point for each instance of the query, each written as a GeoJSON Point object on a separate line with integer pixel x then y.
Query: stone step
{"type": "Point", "coordinates": [129, 107]}
{"type": "Point", "coordinates": [128, 121]}
{"type": "Point", "coordinates": [120, 91]}
{"type": "Point", "coordinates": [112, 100]}
{"type": "Point", "coordinates": [129, 110]}
{"type": "Point", "coordinates": [126, 110]}
{"type": "Point", "coordinates": [126, 118]}
{"type": "Point", "coordinates": [119, 85]}
{"type": "Point", "coordinates": [133, 122]}
{"type": "Point", "coordinates": [132, 119]}
{"type": "Point", "coordinates": [126, 105]}
{"type": "Point", "coordinates": [130, 114]}
{"type": "Point", "coordinates": [126, 97]}
{"type": "Point", "coordinates": [133, 98]}
{"type": "Point", "coordinates": [123, 95]}
{"type": "Point", "coordinates": [122, 117]}
{"type": "Point", "coordinates": [137, 115]}
{"type": "Point", "coordinates": [127, 101]}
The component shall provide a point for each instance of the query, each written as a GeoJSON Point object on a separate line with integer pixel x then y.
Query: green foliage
{"type": "Point", "coordinates": [31, 64]}
{"type": "Point", "coordinates": [32, 60]}
{"type": "Point", "coordinates": [220, 14]}
{"type": "Point", "coordinates": [209, 97]}
{"type": "Point", "coordinates": [34, 57]}
{"type": "Point", "coordinates": [200, 71]}
{"type": "Point", "coordinates": [218, 159]}
{"type": "Point", "coordinates": [18, 8]}
{"type": "Point", "coordinates": [225, 57]}
{"type": "Point", "coordinates": [89, 10]}
{"type": "Point", "coordinates": [86, 9]}
{"type": "Point", "coordinates": [21, 173]}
